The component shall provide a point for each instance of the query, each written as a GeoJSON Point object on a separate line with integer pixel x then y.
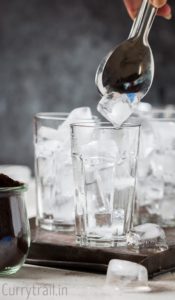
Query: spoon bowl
{"type": "Point", "coordinates": [129, 68]}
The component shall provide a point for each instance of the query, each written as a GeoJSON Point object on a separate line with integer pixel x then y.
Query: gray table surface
{"type": "Point", "coordinates": [45, 283]}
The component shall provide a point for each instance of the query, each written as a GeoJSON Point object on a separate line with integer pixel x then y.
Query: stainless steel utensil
{"type": "Point", "coordinates": [129, 68]}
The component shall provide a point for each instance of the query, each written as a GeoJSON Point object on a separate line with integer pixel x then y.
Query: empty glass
{"type": "Point", "coordinates": [104, 166]}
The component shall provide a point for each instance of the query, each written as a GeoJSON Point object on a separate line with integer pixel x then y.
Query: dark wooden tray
{"type": "Point", "coordinates": [59, 250]}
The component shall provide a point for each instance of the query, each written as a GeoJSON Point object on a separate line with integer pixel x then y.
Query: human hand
{"type": "Point", "coordinates": [132, 7]}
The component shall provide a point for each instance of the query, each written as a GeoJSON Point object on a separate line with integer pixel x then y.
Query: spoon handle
{"type": "Point", "coordinates": [144, 20]}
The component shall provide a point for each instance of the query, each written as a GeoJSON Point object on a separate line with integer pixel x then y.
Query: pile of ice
{"type": "Point", "coordinates": [53, 153]}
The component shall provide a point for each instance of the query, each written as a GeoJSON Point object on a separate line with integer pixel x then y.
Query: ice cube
{"type": "Point", "coordinates": [123, 168]}
{"type": "Point", "coordinates": [150, 189]}
{"type": "Point", "coordinates": [47, 148]}
{"type": "Point", "coordinates": [144, 107]}
{"type": "Point", "coordinates": [116, 107]}
{"type": "Point", "coordinates": [100, 148]}
{"type": "Point", "coordinates": [150, 182]}
{"type": "Point", "coordinates": [99, 180]}
{"type": "Point", "coordinates": [90, 150]}
{"type": "Point", "coordinates": [143, 167]}
{"type": "Point", "coordinates": [147, 237]}
{"type": "Point", "coordinates": [118, 217]}
{"type": "Point", "coordinates": [123, 177]}
{"type": "Point", "coordinates": [47, 133]}
{"type": "Point", "coordinates": [124, 183]}
{"type": "Point", "coordinates": [164, 132]}
{"type": "Point", "coordinates": [77, 115]}
{"type": "Point", "coordinates": [124, 275]}
{"type": "Point", "coordinates": [147, 139]}
{"type": "Point", "coordinates": [168, 165]}
{"type": "Point", "coordinates": [167, 209]}
{"type": "Point", "coordinates": [80, 113]}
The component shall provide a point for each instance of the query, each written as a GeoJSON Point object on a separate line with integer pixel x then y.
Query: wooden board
{"type": "Point", "coordinates": [59, 250]}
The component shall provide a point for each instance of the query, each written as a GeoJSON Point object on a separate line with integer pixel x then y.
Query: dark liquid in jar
{"type": "Point", "coordinates": [13, 226]}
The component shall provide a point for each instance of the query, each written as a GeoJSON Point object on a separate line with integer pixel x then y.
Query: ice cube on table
{"type": "Point", "coordinates": [124, 275]}
{"type": "Point", "coordinates": [147, 237]}
{"type": "Point", "coordinates": [117, 108]}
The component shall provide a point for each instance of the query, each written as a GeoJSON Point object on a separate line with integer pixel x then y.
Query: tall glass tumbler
{"type": "Point", "coordinates": [104, 166]}
{"type": "Point", "coordinates": [53, 170]}
{"type": "Point", "coordinates": [156, 169]}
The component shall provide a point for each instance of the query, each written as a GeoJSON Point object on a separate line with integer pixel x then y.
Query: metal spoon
{"type": "Point", "coordinates": [129, 68]}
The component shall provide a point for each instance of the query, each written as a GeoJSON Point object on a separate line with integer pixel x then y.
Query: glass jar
{"type": "Point", "coordinates": [14, 229]}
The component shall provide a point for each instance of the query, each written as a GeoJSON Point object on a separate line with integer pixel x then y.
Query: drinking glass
{"type": "Point", "coordinates": [156, 169]}
{"type": "Point", "coordinates": [53, 170]}
{"type": "Point", "coordinates": [14, 229]}
{"type": "Point", "coordinates": [104, 166]}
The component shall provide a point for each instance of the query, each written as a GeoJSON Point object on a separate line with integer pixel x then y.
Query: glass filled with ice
{"type": "Point", "coordinates": [104, 166]}
{"type": "Point", "coordinates": [53, 168]}
{"type": "Point", "coordinates": [156, 168]}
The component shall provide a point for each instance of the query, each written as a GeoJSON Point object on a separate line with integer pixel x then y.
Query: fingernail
{"type": "Point", "coordinates": [168, 17]}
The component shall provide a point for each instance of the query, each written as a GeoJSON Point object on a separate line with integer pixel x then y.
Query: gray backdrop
{"type": "Point", "coordinates": [49, 52]}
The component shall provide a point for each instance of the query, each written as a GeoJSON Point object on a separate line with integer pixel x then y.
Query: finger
{"type": "Point", "coordinates": [132, 7]}
{"type": "Point", "coordinates": [165, 11]}
{"type": "Point", "coordinates": [158, 3]}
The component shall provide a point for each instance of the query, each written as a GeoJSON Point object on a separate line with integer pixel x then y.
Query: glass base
{"type": "Point", "coordinates": [12, 270]}
{"type": "Point", "coordinates": [95, 242]}
{"type": "Point", "coordinates": [101, 242]}
{"type": "Point", "coordinates": [54, 225]}
{"type": "Point", "coordinates": [79, 240]}
{"type": "Point", "coordinates": [120, 241]}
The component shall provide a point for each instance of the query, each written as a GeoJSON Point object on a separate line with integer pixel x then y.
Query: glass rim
{"type": "Point", "coordinates": [51, 115]}
{"type": "Point", "coordinates": [22, 188]}
{"type": "Point", "coordinates": [161, 119]}
{"type": "Point", "coordinates": [107, 125]}
{"type": "Point", "coordinates": [62, 116]}
{"type": "Point", "coordinates": [166, 114]}
{"type": "Point", "coordinates": [163, 110]}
